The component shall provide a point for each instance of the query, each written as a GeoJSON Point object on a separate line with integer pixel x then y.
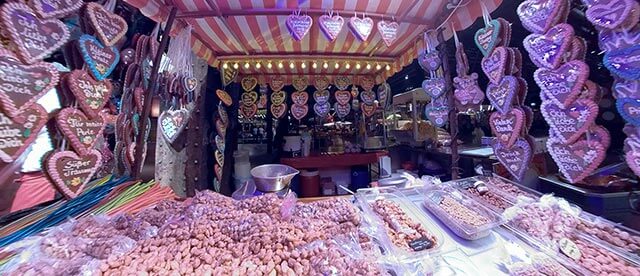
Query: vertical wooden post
{"type": "Point", "coordinates": [453, 111]}
{"type": "Point", "coordinates": [153, 84]}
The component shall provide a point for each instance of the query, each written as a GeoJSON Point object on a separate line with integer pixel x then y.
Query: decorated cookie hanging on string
{"type": "Point", "coordinates": [21, 131]}
{"type": "Point", "coordinates": [361, 27]}
{"type": "Point", "coordinates": [92, 95]}
{"type": "Point", "coordinates": [101, 60]}
{"type": "Point", "coordinates": [388, 31]}
{"type": "Point", "coordinates": [71, 172]}
{"type": "Point", "coordinates": [109, 27]}
{"type": "Point", "coordinates": [298, 25]}
{"type": "Point", "coordinates": [330, 25]}
{"type": "Point", "coordinates": [82, 132]}
{"type": "Point", "coordinates": [55, 8]}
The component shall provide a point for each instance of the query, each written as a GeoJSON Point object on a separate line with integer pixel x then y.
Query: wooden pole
{"type": "Point", "coordinates": [453, 111]}
{"type": "Point", "coordinates": [153, 83]}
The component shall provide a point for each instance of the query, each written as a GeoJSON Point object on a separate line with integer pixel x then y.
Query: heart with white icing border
{"type": "Point", "coordinates": [92, 95]}
{"type": "Point", "coordinates": [19, 133]}
{"type": "Point", "coordinates": [70, 172]}
{"type": "Point", "coordinates": [110, 27]}
{"type": "Point", "coordinates": [81, 131]}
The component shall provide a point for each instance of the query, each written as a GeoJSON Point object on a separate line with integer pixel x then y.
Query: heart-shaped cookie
{"type": "Point", "coordinates": [501, 95]}
{"type": "Point", "coordinates": [55, 8]}
{"type": "Point", "coordinates": [138, 97]}
{"type": "Point", "coordinates": [610, 14]}
{"type": "Point", "coordinates": [321, 96]}
{"type": "Point", "coordinates": [19, 133]}
{"type": "Point", "coordinates": [626, 89]}
{"type": "Point", "coordinates": [516, 159]}
{"type": "Point", "coordinates": [343, 97]}
{"type": "Point", "coordinates": [172, 123]}
{"type": "Point", "coordinates": [300, 84]}
{"type": "Point", "coordinates": [300, 98]}
{"type": "Point", "coordinates": [190, 83]}
{"type": "Point", "coordinates": [249, 83]}
{"type": "Point", "coordinates": [249, 98]}
{"type": "Point", "coordinates": [368, 109]}
{"type": "Point", "coordinates": [624, 63]}
{"type": "Point", "coordinates": [221, 128]}
{"type": "Point", "coordinates": [368, 97]}
{"type": "Point", "coordinates": [222, 114]}
{"type": "Point", "coordinates": [100, 59]}
{"type": "Point", "coordinates": [299, 111]}
{"type": "Point", "coordinates": [629, 109]}
{"type": "Point", "coordinates": [219, 158]}
{"type": "Point", "coordinates": [342, 82]}
{"type": "Point", "coordinates": [228, 75]}
{"type": "Point", "coordinates": [578, 160]}
{"type": "Point", "coordinates": [342, 110]}
{"type": "Point", "coordinates": [547, 50]}
{"type": "Point", "coordinates": [70, 172]}
{"type": "Point", "coordinates": [563, 85]}
{"type": "Point", "coordinates": [224, 97]}
{"type": "Point", "coordinates": [495, 64]}
{"type": "Point", "coordinates": [388, 31]}
{"type": "Point", "coordinates": [278, 110]}
{"type": "Point", "coordinates": [383, 92]}
{"type": "Point", "coordinates": [109, 27]}
{"type": "Point", "coordinates": [611, 40]}
{"type": "Point", "coordinates": [22, 85]}
{"type": "Point", "coordinates": [322, 109]}
{"type": "Point", "coordinates": [570, 123]}
{"type": "Point", "coordinates": [438, 115]}
{"type": "Point", "coordinates": [277, 83]}
{"type": "Point", "coordinates": [330, 26]}
{"type": "Point", "coordinates": [218, 171]}
{"type": "Point", "coordinates": [434, 87]}
{"type": "Point", "coordinates": [578, 49]}
{"type": "Point", "coordinates": [248, 111]}
{"type": "Point", "coordinates": [299, 25]}
{"type": "Point", "coordinates": [81, 131]}
{"type": "Point", "coordinates": [367, 83]}
{"type": "Point", "coordinates": [361, 27]}
{"type": "Point", "coordinates": [507, 127]}
{"type": "Point", "coordinates": [91, 95]}
{"type": "Point", "coordinates": [220, 143]}
{"type": "Point", "coordinates": [538, 16]}
{"type": "Point", "coordinates": [632, 153]}
{"type": "Point", "coordinates": [429, 61]}
{"type": "Point", "coordinates": [467, 90]}
{"type": "Point", "coordinates": [488, 38]}
{"type": "Point", "coordinates": [34, 38]}
{"type": "Point", "coordinates": [278, 97]}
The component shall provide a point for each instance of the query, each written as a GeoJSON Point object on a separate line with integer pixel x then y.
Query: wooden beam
{"type": "Point", "coordinates": [309, 57]}
{"type": "Point", "coordinates": [153, 83]}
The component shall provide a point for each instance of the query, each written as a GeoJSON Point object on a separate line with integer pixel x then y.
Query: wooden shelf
{"type": "Point", "coordinates": [337, 160]}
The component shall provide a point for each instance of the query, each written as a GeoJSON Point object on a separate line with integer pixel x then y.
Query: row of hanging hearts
{"type": "Point", "coordinates": [222, 122]}
{"type": "Point", "coordinates": [569, 100]}
{"type": "Point", "coordinates": [437, 111]}
{"type": "Point", "coordinates": [33, 34]}
{"type": "Point", "coordinates": [467, 92]}
{"type": "Point", "coordinates": [619, 38]}
{"type": "Point", "coordinates": [331, 26]}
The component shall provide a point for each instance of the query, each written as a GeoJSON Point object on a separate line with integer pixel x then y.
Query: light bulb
{"type": "Point", "coordinates": [358, 66]}
{"type": "Point", "coordinates": [337, 65]}
{"type": "Point", "coordinates": [303, 65]}
{"type": "Point", "coordinates": [314, 65]}
{"type": "Point", "coordinates": [225, 65]}
{"type": "Point", "coordinates": [258, 65]}
{"type": "Point", "coordinates": [246, 65]}
{"type": "Point", "coordinates": [347, 65]}
{"type": "Point", "coordinates": [378, 66]}
{"type": "Point", "coordinates": [235, 65]}
{"type": "Point", "coordinates": [368, 66]}
{"type": "Point", "coordinates": [387, 67]}
{"type": "Point", "coordinates": [280, 65]}
{"type": "Point", "coordinates": [325, 65]}
{"type": "Point", "coordinates": [269, 65]}
{"type": "Point", "coordinates": [292, 65]}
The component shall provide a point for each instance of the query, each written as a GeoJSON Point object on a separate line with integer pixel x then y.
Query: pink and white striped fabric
{"type": "Point", "coordinates": [267, 35]}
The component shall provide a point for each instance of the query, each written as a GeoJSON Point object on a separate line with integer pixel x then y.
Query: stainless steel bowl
{"type": "Point", "coordinates": [272, 177]}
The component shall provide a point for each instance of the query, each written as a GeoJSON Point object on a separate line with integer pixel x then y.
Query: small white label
{"type": "Point", "coordinates": [570, 249]}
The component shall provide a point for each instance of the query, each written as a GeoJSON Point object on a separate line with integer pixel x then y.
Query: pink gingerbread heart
{"type": "Point", "coordinates": [563, 85]}
{"type": "Point", "coordinates": [578, 160]}
{"type": "Point", "coordinates": [572, 122]}
{"type": "Point", "coordinates": [547, 50]}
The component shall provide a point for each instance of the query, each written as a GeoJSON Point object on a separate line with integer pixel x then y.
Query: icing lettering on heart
{"type": "Point", "coordinates": [578, 160]}
{"type": "Point", "coordinates": [342, 110]}
{"type": "Point", "coordinates": [342, 82]}
{"type": "Point", "coordinates": [611, 40]}
{"type": "Point", "coordinates": [361, 27]}
{"type": "Point", "coordinates": [547, 50]}
{"type": "Point", "coordinates": [322, 83]}
{"type": "Point", "coordinates": [277, 83]}
{"type": "Point", "coordinates": [501, 95]}
{"type": "Point", "coordinates": [388, 31]}
{"type": "Point", "coordinates": [368, 97]}
{"type": "Point", "coordinates": [368, 109]}
{"type": "Point", "coordinates": [299, 25]}
{"type": "Point", "coordinates": [629, 109]}
{"type": "Point", "coordinates": [488, 38]}
{"type": "Point", "coordinates": [343, 97]}
{"type": "Point", "coordinates": [248, 111]}
{"type": "Point", "coordinates": [278, 97]}
{"type": "Point", "coordinates": [172, 123]}
{"type": "Point", "coordinates": [438, 115]}
{"type": "Point", "coordinates": [55, 8]}
{"type": "Point", "coordinates": [249, 98]}
{"type": "Point", "coordinates": [109, 27]}
{"type": "Point", "coordinates": [249, 83]}
{"type": "Point", "coordinates": [563, 85]}
{"type": "Point", "coordinates": [610, 14]}
{"type": "Point", "coordinates": [516, 158]}
{"type": "Point", "coordinates": [100, 59]}
{"type": "Point", "coordinates": [434, 87]}
{"type": "Point", "coordinates": [330, 26]}
{"type": "Point", "coordinates": [92, 95]}
{"type": "Point", "coordinates": [224, 97]}
{"type": "Point", "coordinates": [278, 110]}
{"type": "Point", "coordinates": [70, 172]}
{"type": "Point", "coordinates": [538, 16]}
{"type": "Point", "coordinates": [299, 111]}
{"type": "Point", "coordinates": [467, 90]}
{"type": "Point", "coordinates": [626, 89]}
{"type": "Point", "coordinates": [507, 127]}
{"type": "Point", "coordinates": [322, 109]}
{"type": "Point", "coordinates": [321, 96]}
{"type": "Point", "coordinates": [300, 98]}
{"type": "Point", "coordinates": [33, 37]}
{"type": "Point", "coordinates": [495, 64]}
{"type": "Point", "coordinates": [228, 75]}
{"type": "Point", "coordinates": [632, 153]}
{"type": "Point", "coordinates": [570, 123]}
{"type": "Point", "coordinates": [624, 63]}
{"type": "Point", "coordinates": [16, 135]}
{"type": "Point", "coordinates": [300, 83]}
{"type": "Point", "coordinates": [81, 131]}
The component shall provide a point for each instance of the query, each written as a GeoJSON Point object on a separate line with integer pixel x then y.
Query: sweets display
{"type": "Point", "coordinates": [548, 219]}
{"type": "Point", "coordinates": [507, 187]}
{"type": "Point", "coordinates": [400, 227]}
{"type": "Point", "coordinates": [602, 261]}
{"type": "Point", "coordinates": [622, 239]}
{"type": "Point", "coordinates": [491, 198]}
{"type": "Point", "coordinates": [541, 264]}
{"type": "Point", "coordinates": [462, 213]}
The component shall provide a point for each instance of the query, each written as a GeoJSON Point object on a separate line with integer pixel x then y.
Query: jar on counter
{"type": "Point", "coordinates": [309, 183]}
{"type": "Point", "coordinates": [328, 187]}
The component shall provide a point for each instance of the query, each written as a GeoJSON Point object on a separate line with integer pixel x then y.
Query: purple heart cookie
{"type": "Point", "coordinates": [572, 122]}
{"type": "Point", "coordinates": [501, 95]}
{"type": "Point", "coordinates": [562, 85]}
{"type": "Point", "coordinates": [516, 158]}
{"type": "Point", "coordinates": [547, 50]}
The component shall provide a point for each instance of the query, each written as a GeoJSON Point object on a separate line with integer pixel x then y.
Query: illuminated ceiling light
{"type": "Point", "coordinates": [378, 66]}
{"type": "Point", "coordinates": [280, 65]}
{"type": "Point", "coordinates": [269, 65]}
{"type": "Point", "coordinates": [337, 65]}
{"type": "Point", "coordinates": [406, 77]}
{"type": "Point", "coordinates": [225, 65]}
{"type": "Point", "coordinates": [258, 65]}
{"type": "Point", "coordinates": [303, 65]}
{"type": "Point", "coordinates": [314, 65]}
{"type": "Point", "coordinates": [246, 65]}
{"type": "Point", "coordinates": [235, 65]}
{"type": "Point", "coordinates": [368, 66]}
{"type": "Point", "coordinates": [358, 66]}
{"type": "Point", "coordinates": [387, 67]}
{"type": "Point", "coordinates": [292, 65]}
{"type": "Point", "coordinates": [325, 65]}
{"type": "Point", "coordinates": [347, 65]}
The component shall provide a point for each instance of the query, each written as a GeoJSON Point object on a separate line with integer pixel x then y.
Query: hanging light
{"type": "Point", "coordinates": [269, 65]}
{"type": "Point", "coordinates": [303, 65]}
{"type": "Point", "coordinates": [225, 65]}
{"type": "Point", "coordinates": [258, 65]}
{"type": "Point", "coordinates": [358, 66]}
{"type": "Point", "coordinates": [314, 65]}
{"type": "Point", "coordinates": [378, 66]}
{"type": "Point", "coordinates": [347, 65]}
{"type": "Point", "coordinates": [235, 65]}
{"type": "Point", "coordinates": [368, 66]}
{"type": "Point", "coordinates": [246, 65]}
{"type": "Point", "coordinates": [325, 65]}
{"type": "Point", "coordinates": [387, 67]}
{"type": "Point", "coordinates": [292, 65]}
{"type": "Point", "coordinates": [280, 65]}
{"type": "Point", "coordinates": [337, 65]}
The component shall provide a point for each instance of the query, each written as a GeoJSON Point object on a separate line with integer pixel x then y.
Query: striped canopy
{"type": "Point", "coordinates": [254, 31]}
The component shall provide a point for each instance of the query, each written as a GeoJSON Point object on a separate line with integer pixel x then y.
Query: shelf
{"type": "Point", "coordinates": [337, 160]}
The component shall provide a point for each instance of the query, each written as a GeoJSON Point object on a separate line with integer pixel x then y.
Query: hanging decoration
{"type": "Point", "coordinates": [361, 27]}
{"type": "Point", "coordinates": [467, 92]}
{"type": "Point", "coordinates": [299, 25]}
{"type": "Point", "coordinates": [109, 27]}
{"type": "Point", "coordinates": [71, 172]}
{"type": "Point", "coordinates": [330, 25]}
{"type": "Point", "coordinates": [368, 96]}
{"type": "Point", "coordinates": [249, 98]}
{"type": "Point", "coordinates": [224, 97]}
{"type": "Point", "coordinates": [569, 103]}
{"type": "Point", "coordinates": [100, 59]}
{"type": "Point", "coordinates": [383, 92]}
{"type": "Point", "coordinates": [55, 8]}
{"type": "Point", "coordinates": [92, 95]}
{"type": "Point", "coordinates": [388, 31]}
{"type": "Point", "coordinates": [321, 97]}
{"type": "Point", "coordinates": [20, 132]}
{"type": "Point", "coordinates": [437, 111]}
{"type": "Point", "coordinates": [342, 106]}
{"type": "Point", "coordinates": [619, 34]}
{"type": "Point", "coordinates": [81, 131]}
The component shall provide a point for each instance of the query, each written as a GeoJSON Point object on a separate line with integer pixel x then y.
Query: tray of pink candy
{"type": "Point", "coordinates": [614, 234]}
{"type": "Point", "coordinates": [489, 196]}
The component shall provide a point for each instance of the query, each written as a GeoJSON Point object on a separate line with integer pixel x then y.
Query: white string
{"type": "Point", "coordinates": [110, 5]}
{"type": "Point", "coordinates": [450, 15]}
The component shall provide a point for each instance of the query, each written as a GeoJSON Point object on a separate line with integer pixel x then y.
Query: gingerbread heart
{"type": "Point", "coordinates": [429, 61]}
{"type": "Point", "coordinates": [228, 75]}
{"type": "Point", "coordinates": [322, 109]}
{"type": "Point", "coordinates": [578, 160]}
{"type": "Point", "coordinates": [516, 159]}
{"type": "Point", "coordinates": [368, 97]}
{"type": "Point", "coordinates": [547, 50]}
{"type": "Point", "coordinates": [218, 171]}
{"type": "Point", "coordinates": [578, 49]}
{"type": "Point", "coordinates": [222, 114]}
{"type": "Point", "coordinates": [572, 122]}
{"type": "Point", "coordinates": [278, 110]}
{"type": "Point", "coordinates": [100, 59]}
{"type": "Point", "coordinates": [221, 128]}
{"type": "Point", "coordinates": [538, 16]}
{"type": "Point", "coordinates": [110, 27]}
{"type": "Point", "coordinates": [563, 85]}
{"type": "Point", "coordinates": [388, 31]}
{"type": "Point", "coordinates": [248, 111]}
{"type": "Point", "coordinates": [172, 123]}
{"type": "Point", "coordinates": [300, 83]}
{"type": "Point", "coordinates": [467, 90]}
{"type": "Point", "coordinates": [367, 83]}
{"type": "Point", "coordinates": [632, 154]}
{"type": "Point", "coordinates": [495, 64]}
{"type": "Point", "coordinates": [22, 85]}
{"type": "Point", "coordinates": [138, 97]}
{"type": "Point", "coordinates": [70, 172]}
{"type": "Point", "coordinates": [611, 40]}
{"type": "Point", "coordinates": [383, 92]}
{"type": "Point", "coordinates": [299, 25]}
{"type": "Point", "coordinates": [629, 109]}
{"type": "Point", "coordinates": [488, 38]}
{"type": "Point", "coordinates": [190, 83]}
{"type": "Point", "coordinates": [342, 82]}
{"type": "Point", "coordinates": [277, 83]}
{"type": "Point", "coordinates": [361, 27]}
{"type": "Point", "coordinates": [437, 114]}
{"type": "Point", "coordinates": [610, 14]}
{"type": "Point", "coordinates": [299, 98]}
{"type": "Point", "coordinates": [343, 97]}
{"type": "Point", "coordinates": [278, 97]}
{"type": "Point", "coordinates": [219, 158]}
{"type": "Point", "coordinates": [249, 83]}
{"type": "Point", "coordinates": [322, 83]}
{"type": "Point", "coordinates": [626, 89]}
{"type": "Point", "coordinates": [434, 87]}
{"type": "Point", "coordinates": [342, 110]}
{"type": "Point", "coordinates": [600, 134]}
{"type": "Point", "coordinates": [368, 109]}
{"type": "Point", "coordinates": [507, 127]}
{"type": "Point", "coordinates": [321, 96]}
{"type": "Point", "coordinates": [20, 132]}
{"type": "Point", "coordinates": [34, 38]}
{"type": "Point", "coordinates": [501, 95]}
{"type": "Point", "coordinates": [330, 26]}
{"type": "Point", "coordinates": [55, 8]}
{"type": "Point", "coordinates": [81, 131]}
{"type": "Point", "coordinates": [91, 95]}
{"type": "Point", "coordinates": [624, 63]}
{"type": "Point", "coordinates": [299, 111]}
{"type": "Point", "coordinates": [249, 98]}
{"type": "Point", "coordinates": [224, 97]}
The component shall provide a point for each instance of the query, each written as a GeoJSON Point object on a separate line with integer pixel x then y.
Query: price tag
{"type": "Point", "coordinates": [570, 249]}
{"type": "Point", "coordinates": [421, 243]}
